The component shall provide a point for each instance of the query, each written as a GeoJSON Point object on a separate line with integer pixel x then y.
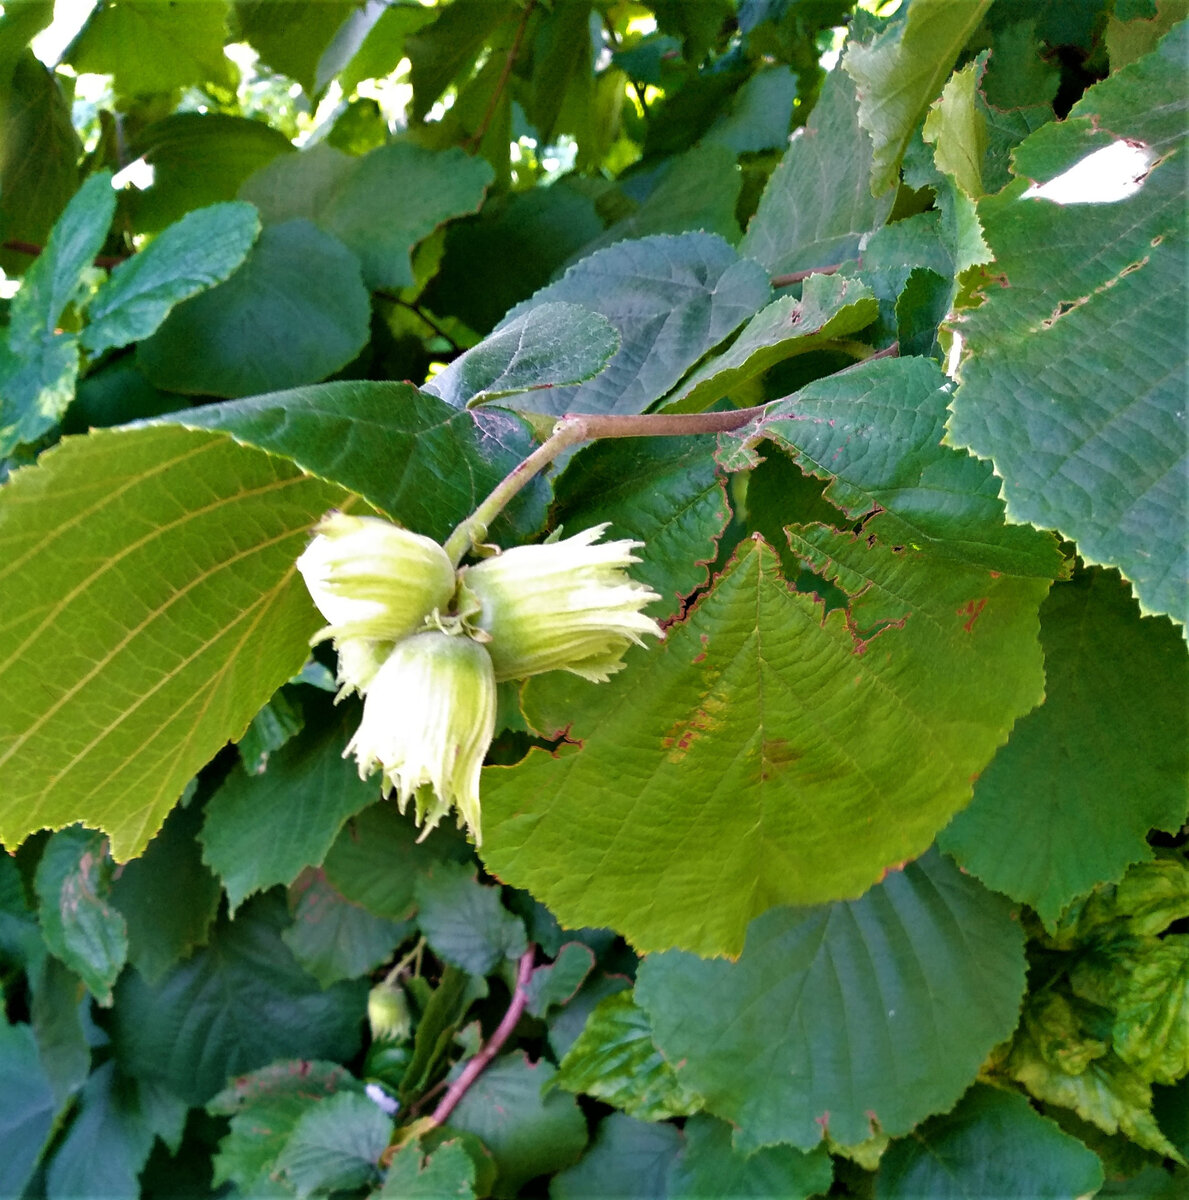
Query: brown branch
{"type": "Point", "coordinates": [476, 138]}
{"type": "Point", "coordinates": [475, 1067]}
{"type": "Point", "coordinates": [779, 281]}
{"type": "Point", "coordinates": [107, 261]}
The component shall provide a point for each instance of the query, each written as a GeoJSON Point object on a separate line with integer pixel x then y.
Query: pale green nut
{"type": "Point", "coordinates": [428, 719]}
{"type": "Point", "coordinates": [374, 583]}
{"type": "Point", "coordinates": [561, 606]}
{"type": "Point", "coordinates": [388, 1012]}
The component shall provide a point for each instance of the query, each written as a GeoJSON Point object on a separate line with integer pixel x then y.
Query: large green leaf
{"type": "Point", "coordinates": [167, 896]}
{"type": "Point", "coordinates": [530, 1129]}
{"type": "Point", "coordinates": [198, 159]}
{"type": "Point", "coordinates": [464, 921]}
{"type": "Point", "coordinates": [149, 607]}
{"type": "Point", "coordinates": [846, 1018]}
{"type": "Point", "coordinates": [394, 197]}
{"type": "Point", "coordinates": [830, 307]}
{"type": "Point", "coordinates": [293, 35]}
{"type": "Point", "coordinates": [818, 204]}
{"type": "Point", "coordinates": [39, 364]}
{"type": "Point", "coordinates": [900, 72]}
{"type": "Point", "coordinates": [39, 153]}
{"type": "Point", "coordinates": [446, 1174]}
{"type": "Point", "coordinates": [353, 432]}
{"type": "Point", "coordinates": [992, 1144]}
{"type": "Point", "coordinates": [335, 1145]}
{"type": "Point", "coordinates": [264, 1107]}
{"type": "Point", "coordinates": [261, 830]}
{"type": "Point", "coordinates": [627, 1158]}
{"type": "Point", "coordinates": [238, 1003]}
{"type": "Point", "coordinates": [294, 312]}
{"type": "Point", "coordinates": [109, 1140]}
{"type": "Point", "coordinates": [147, 46]}
{"type": "Point", "coordinates": [875, 432]}
{"type": "Point", "coordinates": [199, 251]}
{"type": "Point", "coordinates": [56, 1009]}
{"type": "Point", "coordinates": [78, 922]}
{"type": "Point", "coordinates": [709, 1165]}
{"type": "Point", "coordinates": [545, 347]}
{"type": "Point", "coordinates": [27, 1107]}
{"type": "Point", "coordinates": [768, 754]}
{"type": "Point", "coordinates": [616, 1060]}
{"type": "Point", "coordinates": [662, 492]}
{"type": "Point", "coordinates": [1073, 380]}
{"type": "Point", "coordinates": [1111, 680]}
{"type": "Point", "coordinates": [671, 299]}
{"type": "Point", "coordinates": [334, 938]}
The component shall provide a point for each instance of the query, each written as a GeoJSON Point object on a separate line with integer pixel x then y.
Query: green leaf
{"type": "Point", "coordinates": [277, 723]}
{"type": "Point", "coordinates": [198, 252]}
{"type": "Point", "coordinates": [334, 939]}
{"type": "Point", "coordinates": [376, 860]}
{"type": "Point", "coordinates": [297, 185]}
{"type": "Point", "coordinates": [261, 830]}
{"type": "Point", "coordinates": [671, 299]}
{"type": "Point", "coordinates": [511, 249]}
{"type": "Point", "coordinates": [818, 204]}
{"type": "Point", "coordinates": [148, 47]}
{"type": "Point", "coordinates": [709, 1165]}
{"type": "Point", "coordinates": [557, 984]}
{"type": "Point", "coordinates": [1127, 41]}
{"type": "Point", "coordinates": [441, 1017]}
{"type": "Point", "coordinates": [871, 1013]}
{"type": "Point", "coordinates": [292, 35]}
{"type": "Point", "coordinates": [662, 492]}
{"type": "Point", "coordinates": [381, 50]}
{"type": "Point", "coordinates": [242, 336]}
{"type": "Point", "coordinates": [1059, 1062]}
{"type": "Point", "coordinates": [109, 1140]}
{"type": "Point", "coordinates": [198, 159]}
{"type": "Point", "coordinates": [529, 1129]}
{"type": "Point", "coordinates": [394, 197]}
{"type": "Point", "coordinates": [39, 154]}
{"type": "Point", "coordinates": [875, 432]}
{"type": "Point", "coordinates": [264, 1107]}
{"type": "Point", "coordinates": [56, 1006]}
{"type": "Point", "coordinates": [38, 365]}
{"type": "Point", "coordinates": [449, 46]}
{"type": "Point", "coordinates": [567, 1024]}
{"type": "Point", "coordinates": [464, 921]}
{"type": "Point", "coordinates": [149, 607]}
{"type": "Point", "coordinates": [238, 1003]}
{"type": "Point", "coordinates": [27, 1107]}
{"type": "Point", "coordinates": [1085, 431]}
{"type": "Point", "coordinates": [759, 113]}
{"type": "Point", "coordinates": [335, 1145]}
{"type": "Point", "coordinates": [696, 190]}
{"type": "Point", "coordinates": [992, 1144]}
{"type": "Point", "coordinates": [78, 922]}
{"type": "Point", "coordinates": [799, 742]}
{"type": "Point", "coordinates": [1151, 1002]}
{"type": "Point", "coordinates": [627, 1158]}
{"type": "Point", "coordinates": [444, 1174]}
{"type": "Point", "coordinates": [831, 306]}
{"type": "Point", "coordinates": [957, 130]}
{"type": "Point", "coordinates": [1111, 680]}
{"type": "Point", "coordinates": [901, 70]}
{"type": "Point", "coordinates": [546, 347]}
{"type": "Point", "coordinates": [167, 897]}
{"type": "Point", "coordinates": [352, 433]}
{"type": "Point", "coordinates": [616, 1060]}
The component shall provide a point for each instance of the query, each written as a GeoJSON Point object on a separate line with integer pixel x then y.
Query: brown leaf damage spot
{"type": "Point", "coordinates": [971, 611]}
{"type": "Point", "coordinates": [704, 719]}
{"type": "Point", "coordinates": [775, 755]}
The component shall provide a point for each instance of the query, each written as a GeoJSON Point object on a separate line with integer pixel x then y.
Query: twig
{"type": "Point", "coordinates": [583, 427]}
{"type": "Point", "coordinates": [779, 281]}
{"type": "Point", "coordinates": [418, 312]}
{"type": "Point", "coordinates": [475, 1067]}
{"type": "Point", "coordinates": [476, 138]}
{"type": "Point", "coordinates": [107, 261]}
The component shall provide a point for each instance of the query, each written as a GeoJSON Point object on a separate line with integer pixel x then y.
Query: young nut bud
{"type": "Point", "coordinates": [428, 718]}
{"type": "Point", "coordinates": [388, 1013]}
{"type": "Point", "coordinates": [374, 583]}
{"type": "Point", "coordinates": [560, 606]}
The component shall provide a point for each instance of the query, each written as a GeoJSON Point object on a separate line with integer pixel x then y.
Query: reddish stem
{"type": "Point", "coordinates": [476, 1066]}
{"type": "Point", "coordinates": [779, 281]}
{"type": "Point", "coordinates": [476, 138]}
{"type": "Point", "coordinates": [107, 261]}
